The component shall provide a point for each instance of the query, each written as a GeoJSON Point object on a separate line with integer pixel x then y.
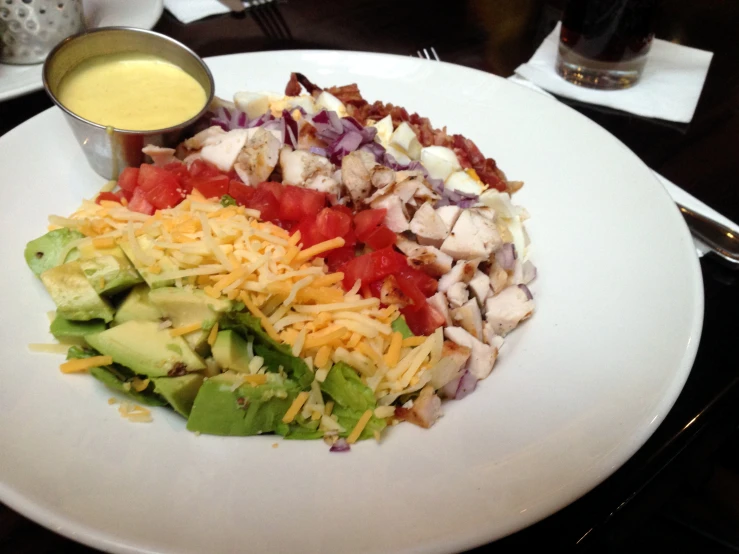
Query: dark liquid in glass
{"type": "Point", "coordinates": [604, 43]}
{"type": "Point", "coordinates": [608, 30]}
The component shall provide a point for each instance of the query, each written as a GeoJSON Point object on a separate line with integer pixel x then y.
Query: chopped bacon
{"type": "Point", "coordinates": [467, 152]}
{"type": "Point", "coordinates": [298, 79]}
{"type": "Point", "coordinates": [348, 94]}
{"type": "Point", "coordinates": [293, 86]}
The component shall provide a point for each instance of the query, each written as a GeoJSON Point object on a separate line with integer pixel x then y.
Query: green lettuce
{"type": "Point", "coordinates": [275, 355]}
{"type": "Point", "coordinates": [400, 326]}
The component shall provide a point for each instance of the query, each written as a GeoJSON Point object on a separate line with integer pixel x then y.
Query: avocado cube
{"type": "Point", "coordinates": [74, 332]}
{"type": "Point", "coordinates": [230, 351]}
{"type": "Point", "coordinates": [106, 376]}
{"type": "Point", "coordinates": [44, 252]}
{"type": "Point", "coordinates": [180, 392]}
{"type": "Point", "coordinates": [137, 306]}
{"type": "Point", "coordinates": [74, 296]}
{"type": "Point", "coordinates": [226, 407]}
{"type": "Point", "coordinates": [108, 270]}
{"type": "Point", "coordinates": [152, 279]}
{"type": "Point", "coordinates": [146, 349]}
{"type": "Point", "coordinates": [188, 306]}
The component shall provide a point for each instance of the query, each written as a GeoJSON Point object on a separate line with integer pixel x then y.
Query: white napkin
{"type": "Point", "coordinates": [677, 194]}
{"type": "Point", "coordinates": [188, 11]}
{"type": "Point", "coordinates": [668, 89]}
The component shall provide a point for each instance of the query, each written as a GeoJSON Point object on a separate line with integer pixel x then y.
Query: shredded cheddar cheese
{"type": "Point", "coordinates": [83, 364]}
{"type": "Point", "coordinates": [228, 253]}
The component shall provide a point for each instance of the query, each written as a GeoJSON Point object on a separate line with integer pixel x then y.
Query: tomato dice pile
{"type": "Point", "coordinates": [150, 188]}
{"type": "Point", "coordinates": [374, 268]}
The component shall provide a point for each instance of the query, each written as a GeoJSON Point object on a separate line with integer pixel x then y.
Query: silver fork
{"type": "Point", "coordinates": [424, 54]}
{"type": "Point", "coordinates": [266, 14]}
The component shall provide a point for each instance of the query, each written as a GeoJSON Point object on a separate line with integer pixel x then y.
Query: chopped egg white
{"type": "Point", "coordinates": [439, 161]}
{"type": "Point", "coordinates": [254, 104]}
{"type": "Point", "coordinates": [384, 130]}
{"type": "Point", "coordinates": [327, 101]}
{"type": "Point", "coordinates": [404, 138]}
{"type": "Point", "coordinates": [462, 182]}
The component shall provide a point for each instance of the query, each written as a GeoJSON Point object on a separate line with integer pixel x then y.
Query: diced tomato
{"type": "Point", "coordinates": [210, 187]}
{"type": "Point", "coordinates": [313, 201]}
{"type": "Point", "coordinates": [161, 188]}
{"type": "Point", "coordinates": [151, 177]}
{"type": "Point", "coordinates": [338, 257]}
{"type": "Point", "coordinates": [178, 169]}
{"type": "Point", "coordinates": [112, 196]}
{"type": "Point", "coordinates": [309, 233]}
{"type": "Point", "coordinates": [291, 207]}
{"type": "Point", "coordinates": [139, 203]}
{"type": "Point", "coordinates": [373, 266]}
{"type": "Point", "coordinates": [276, 189]}
{"type": "Point", "coordinates": [201, 168]}
{"type": "Point", "coordinates": [423, 321]}
{"type": "Point", "coordinates": [165, 196]}
{"type": "Point", "coordinates": [297, 203]}
{"type": "Point", "coordinates": [333, 223]}
{"type": "Point", "coordinates": [409, 288]}
{"type": "Point", "coordinates": [381, 237]}
{"type": "Point", "coordinates": [268, 206]}
{"type": "Point", "coordinates": [128, 180]}
{"type": "Point", "coordinates": [360, 268]}
{"type": "Point", "coordinates": [427, 285]}
{"type": "Point", "coordinates": [240, 192]}
{"type": "Point", "coordinates": [376, 288]}
{"type": "Point", "coordinates": [367, 221]}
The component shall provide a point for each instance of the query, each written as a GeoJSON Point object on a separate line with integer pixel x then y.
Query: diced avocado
{"type": "Point", "coordinates": [231, 352]}
{"type": "Point", "coordinates": [117, 378]}
{"type": "Point", "coordinates": [189, 306]}
{"type": "Point", "coordinates": [180, 392]}
{"type": "Point", "coordinates": [107, 376]}
{"type": "Point", "coordinates": [275, 355]}
{"type": "Point", "coordinates": [74, 332]}
{"type": "Point", "coordinates": [400, 326]}
{"type": "Point", "coordinates": [152, 279]}
{"type": "Point", "coordinates": [137, 306]}
{"type": "Point", "coordinates": [74, 296]}
{"type": "Point", "coordinates": [146, 349]}
{"type": "Point", "coordinates": [108, 270]}
{"type": "Point", "coordinates": [43, 253]}
{"type": "Point", "coordinates": [223, 406]}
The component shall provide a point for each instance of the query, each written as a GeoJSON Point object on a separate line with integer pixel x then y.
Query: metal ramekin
{"type": "Point", "coordinates": [110, 150]}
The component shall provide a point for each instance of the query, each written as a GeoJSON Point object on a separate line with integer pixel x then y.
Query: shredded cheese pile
{"type": "Point", "coordinates": [228, 253]}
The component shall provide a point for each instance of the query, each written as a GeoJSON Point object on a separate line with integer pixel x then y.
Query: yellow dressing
{"type": "Point", "coordinates": [131, 91]}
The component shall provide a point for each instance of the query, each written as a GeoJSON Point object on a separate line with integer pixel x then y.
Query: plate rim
{"type": "Point", "coordinates": [90, 536]}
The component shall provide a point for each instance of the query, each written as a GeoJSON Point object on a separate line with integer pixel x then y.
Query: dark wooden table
{"type": "Point", "coordinates": [496, 36]}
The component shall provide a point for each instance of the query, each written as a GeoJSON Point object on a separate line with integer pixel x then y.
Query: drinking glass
{"type": "Point", "coordinates": [604, 43]}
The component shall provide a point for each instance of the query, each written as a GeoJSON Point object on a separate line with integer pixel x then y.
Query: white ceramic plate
{"type": "Point", "coordinates": [16, 80]}
{"type": "Point", "coordinates": [578, 389]}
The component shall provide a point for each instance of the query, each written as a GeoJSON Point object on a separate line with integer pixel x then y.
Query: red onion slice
{"type": "Point", "coordinates": [527, 291]}
{"type": "Point", "coordinates": [467, 384]}
{"type": "Point", "coordinates": [340, 446]}
{"type": "Point", "coordinates": [506, 256]}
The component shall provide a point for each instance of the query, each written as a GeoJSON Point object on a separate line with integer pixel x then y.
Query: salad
{"type": "Point", "coordinates": [308, 264]}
